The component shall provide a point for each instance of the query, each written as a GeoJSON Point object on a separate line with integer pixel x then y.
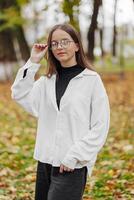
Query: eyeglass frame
{"type": "Point", "coordinates": [59, 42]}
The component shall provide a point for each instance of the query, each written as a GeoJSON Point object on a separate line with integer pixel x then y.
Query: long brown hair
{"type": "Point", "coordinates": [80, 56]}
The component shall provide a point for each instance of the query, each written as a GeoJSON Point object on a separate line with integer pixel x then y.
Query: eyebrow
{"type": "Point", "coordinates": [61, 39]}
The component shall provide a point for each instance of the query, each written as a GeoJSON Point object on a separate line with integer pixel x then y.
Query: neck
{"type": "Point", "coordinates": [68, 63]}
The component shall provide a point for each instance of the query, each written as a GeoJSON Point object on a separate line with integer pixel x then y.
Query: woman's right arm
{"type": "Point", "coordinates": [25, 90]}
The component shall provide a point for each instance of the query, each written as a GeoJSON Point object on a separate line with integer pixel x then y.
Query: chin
{"type": "Point", "coordinates": [62, 59]}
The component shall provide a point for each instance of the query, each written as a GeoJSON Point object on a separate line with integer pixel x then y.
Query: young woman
{"type": "Point", "coordinates": [72, 108]}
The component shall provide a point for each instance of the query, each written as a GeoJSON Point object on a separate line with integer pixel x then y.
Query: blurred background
{"type": "Point", "coordinates": [107, 32]}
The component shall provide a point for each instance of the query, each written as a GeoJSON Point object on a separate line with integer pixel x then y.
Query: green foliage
{"type": "Point", "coordinates": [71, 9]}
{"type": "Point", "coordinates": [11, 17]}
{"type": "Point", "coordinates": [22, 2]}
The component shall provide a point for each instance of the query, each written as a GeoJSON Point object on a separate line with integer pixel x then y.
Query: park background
{"type": "Point", "coordinates": [107, 32]}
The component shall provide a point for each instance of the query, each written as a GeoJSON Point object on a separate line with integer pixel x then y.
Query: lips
{"type": "Point", "coordinates": [61, 53]}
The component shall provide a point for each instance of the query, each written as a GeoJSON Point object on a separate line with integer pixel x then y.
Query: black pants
{"type": "Point", "coordinates": [53, 185]}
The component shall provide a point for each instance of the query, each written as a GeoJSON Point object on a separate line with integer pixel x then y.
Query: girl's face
{"type": "Point", "coordinates": [63, 47]}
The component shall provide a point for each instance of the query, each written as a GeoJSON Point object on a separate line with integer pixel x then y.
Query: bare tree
{"type": "Point", "coordinates": [101, 29]}
{"type": "Point", "coordinates": [92, 28]}
{"type": "Point", "coordinates": [114, 30]}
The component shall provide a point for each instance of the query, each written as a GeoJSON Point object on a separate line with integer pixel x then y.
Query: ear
{"type": "Point", "coordinates": [76, 47]}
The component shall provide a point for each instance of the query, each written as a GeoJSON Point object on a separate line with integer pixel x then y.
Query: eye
{"type": "Point", "coordinates": [54, 44]}
{"type": "Point", "coordinates": [64, 41]}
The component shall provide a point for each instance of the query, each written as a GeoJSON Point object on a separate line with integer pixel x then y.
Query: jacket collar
{"type": "Point", "coordinates": [85, 72]}
{"type": "Point", "coordinates": [52, 92]}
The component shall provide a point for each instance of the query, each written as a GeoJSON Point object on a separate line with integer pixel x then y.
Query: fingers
{"type": "Point", "coordinates": [64, 168]}
{"type": "Point", "coordinates": [61, 168]}
{"type": "Point", "coordinates": [40, 46]}
{"type": "Point", "coordinates": [38, 52]}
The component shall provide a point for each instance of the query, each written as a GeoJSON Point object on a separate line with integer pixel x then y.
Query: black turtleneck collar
{"type": "Point", "coordinates": [74, 69]}
{"type": "Point", "coordinates": [65, 75]}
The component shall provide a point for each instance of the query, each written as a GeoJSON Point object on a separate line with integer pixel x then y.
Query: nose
{"type": "Point", "coordinates": [59, 45]}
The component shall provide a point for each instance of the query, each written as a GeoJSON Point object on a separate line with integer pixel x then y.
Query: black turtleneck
{"type": "Point", "coordinates": [65, 75]}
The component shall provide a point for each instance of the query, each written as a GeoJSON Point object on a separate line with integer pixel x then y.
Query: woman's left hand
{"type": "Point", "coordinates": [64, 168]}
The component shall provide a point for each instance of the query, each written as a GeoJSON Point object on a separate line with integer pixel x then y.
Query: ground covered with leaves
{"type": "Point", "coordinates": [113, 174]}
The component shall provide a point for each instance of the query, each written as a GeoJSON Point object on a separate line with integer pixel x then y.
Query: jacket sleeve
{"type": "Point", "coordinates": [86, 149]}
{"type": "Point", "coordinates": [25, 90]}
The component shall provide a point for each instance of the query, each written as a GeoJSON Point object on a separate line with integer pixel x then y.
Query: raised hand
{"type": "Point", "coordinates": [38, 52]}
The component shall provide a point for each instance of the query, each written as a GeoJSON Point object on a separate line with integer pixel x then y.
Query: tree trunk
{"type": "Point", "coordinates": [7, 52]}
{"type": "Point", "coordinates": [92, 28]}
{"type": "Point", "coordinates": [102, 32]}
{"type": "Point", "coordinates": [23, 46]}
{"type": "Point", "coordinates": [101, 42]}
{"type": "Point", "coordinates": [8, 57]}
{"type": "Point", "coordinates": [114, 31]}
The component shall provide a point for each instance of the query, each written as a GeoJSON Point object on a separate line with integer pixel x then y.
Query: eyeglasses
{"type": "Point", "coordinates": [63, 43]}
